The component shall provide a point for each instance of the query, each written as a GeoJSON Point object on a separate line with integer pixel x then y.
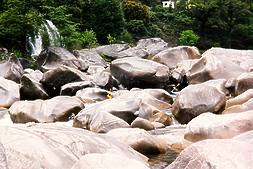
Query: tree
{"type": "Point", "coordinates": [220, 20]}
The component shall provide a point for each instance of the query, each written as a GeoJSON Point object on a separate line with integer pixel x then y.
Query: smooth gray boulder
{"type": "Point", "coordinates": [197, 99]}
{"type": "Point", "coordinates": [152, 45]}
{"type": "Point", "coordinates": [31, 88]}
{"type": "Point", "coordinates": [9, 92]}
{"type": "Point", "coordinates": [54, 57]}
{"type": "Point", "coordinates": [108, 161]}
{"type": "Point", "coordinates": [59, 108]}
{"type": "Point", "coordinates": [172, 56]}
{"type": "Point", "coordinates": [11, 69]}
{"type": "Point", "coordinates": [215, 153]}
{"type": "Point", "coordinates": [90, 57]}
{"type": "Point", "coordinates": [220, 63]}
{"type": "Point", "coordinates": [55, 146]}
{"type": "Point", "coordinates": [137, 72]}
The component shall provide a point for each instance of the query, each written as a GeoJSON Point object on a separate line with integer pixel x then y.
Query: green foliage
{"type": "Point", "coordinates": [137, 27]}
{"type": "Point", "coordinates": [81, 40]}
{"type": "Point", "coordinates": [134, 10]}
{"type": "Point", "coordinates": [111, 39]}
{"type": "Point", "coordinates": [188, 37]}
{"type": "Point", "coordinates": [127, 37]}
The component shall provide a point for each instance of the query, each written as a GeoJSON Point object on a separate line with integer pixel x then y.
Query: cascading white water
{"type": "Point", "coordinates": [36, 43]}
{"type": "Point", "coordinates": [53, 34]}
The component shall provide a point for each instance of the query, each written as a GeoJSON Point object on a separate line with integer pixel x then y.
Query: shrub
{"type": "Point", "coordinates": [188, 37]}
{"type": "Point", "coordinates": [111, 39]}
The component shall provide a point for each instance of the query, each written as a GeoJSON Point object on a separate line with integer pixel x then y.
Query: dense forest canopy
{"type": "Point", "coordinates": [82, 23]}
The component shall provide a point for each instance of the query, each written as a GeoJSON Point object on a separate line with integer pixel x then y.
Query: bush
{"type": "Point", "coordinates": [79, 40]}
{"type": "Point", "coordinates": [188, 37]}
{"type": "Point", "coordinates": [127, 37]}
{"type": "Point", "coordinates": [134, 10]}
{"type": "Point", "coordinates": [137, 27]}
{"type": "Point", "coordinates": [111, 39]}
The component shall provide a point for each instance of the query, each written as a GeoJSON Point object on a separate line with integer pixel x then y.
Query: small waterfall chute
{"type": "Point", "coordinates": [53, 34]}
{"type": "Point", "coordinates": [35, 42]}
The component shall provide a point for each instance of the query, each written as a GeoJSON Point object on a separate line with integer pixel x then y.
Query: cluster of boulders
{"type": "Point", "coordinates": [79, 108]}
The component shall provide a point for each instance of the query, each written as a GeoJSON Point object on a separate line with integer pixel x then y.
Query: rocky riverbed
{"type": "Point", "coordinates": [152, 106]}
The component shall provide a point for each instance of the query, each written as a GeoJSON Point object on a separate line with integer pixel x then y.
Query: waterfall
{"type": "Point", "coordinates": [53, 34]}
{"type": "Point", "coordinates": [35, 42]}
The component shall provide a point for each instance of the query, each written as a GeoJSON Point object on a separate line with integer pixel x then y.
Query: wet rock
{"type": "Point", "coordinates": [9, 92]}
{"type": "Point", "coordinates": [211, 126]}
{"type": "Point", "coordinates": [215, 153]}
{"type": "Point", "coordinates": [142, 124]}
{"type": "Point", "coordinates": [172, 135]}
{"type": "Point", "coordinates": [196, 99]}
{"type": "Point", "coordinates": [108, 161]}
{"type": "Point", "coordinates": [59, 108]}
{"type": "Point", "coordinates": [99, 121]}
{"type": "Point", "coordinates": [172, 56]}
{"type": "Point", "coordinates": [54, 79]}
{"type": "Point", "coordinates": [219, 63]}
{"type": "Point", "coordinates": [54, 146]}
{"type": "Point", "coordinates": [137, 72]}
{"type": "Point", "coordinates": [111, 51]}
{"type": "Point", "coordinates": [31, 88]}
{"type": "Point", "coordinates": [152, 45]}
{"type": "Point", "coordinates": [243, 83]}
{"type": "Point", "coordinates": [55, 57]}
{"type": "Point", "coordinates": [140, 140]}
{"type": "Point", "coordinates": [70, 89]}
{"type": "Point", "coordinates": [11, 69]}
{"type": "Point", "coordinates": [90, 57]}
{"type": "Point", "coordinates": [92, 95]}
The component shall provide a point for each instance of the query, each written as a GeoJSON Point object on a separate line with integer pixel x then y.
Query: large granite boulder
{"type": "Point", "coordinates": [111, 51]}
{"type": "Point", "coordinates": [11, 69]}
{"type": "Point", "coordinates": [152, 45]}
{"type": "Point", "coordinates": [140, 140]}
{"type": "Point", "coordinates": [55, 57]}
{"type": "Point", "coordinates": [215, 153]}
{"type": "Point", "coordinates": [90, 57]}
{"type": "Point", "coordinates": [70, 89]}
{"type": "Point", "coordinates": [31, 88]}
{"type": "Point", "coordinates": [196, 99]}
{"type": "Point", "coordinates": [211, 126]}
{"type": "Point", "coordinates": [172, 56]}
{"type": "Point", "coordinates": [243, 83]}
{"type": "Point", "coordinates": [108, 161]}
{"type": "Point", "coordinates": [138, 72]}
{"type": "Point", "coordinates": [99, 122]}
{"type": "Point", "coordinates": [55, 146]}
{"type": "Point", "coordinates": [59, 108]}
{"type": "Point", "coordinates": [54, 79]}
{"type": "Point", "coordinates": [132, 52]}
{"type": "Point", "coordinates": [128, 106]}
{"type": "Point", "coordinates": [219, 63]}
{"type": "Point", "coordinates": [9, 92]}
{"type": "Point", "coordinates": [92, 95]}
{"type": "Point", "coordinates": [142, 124]}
